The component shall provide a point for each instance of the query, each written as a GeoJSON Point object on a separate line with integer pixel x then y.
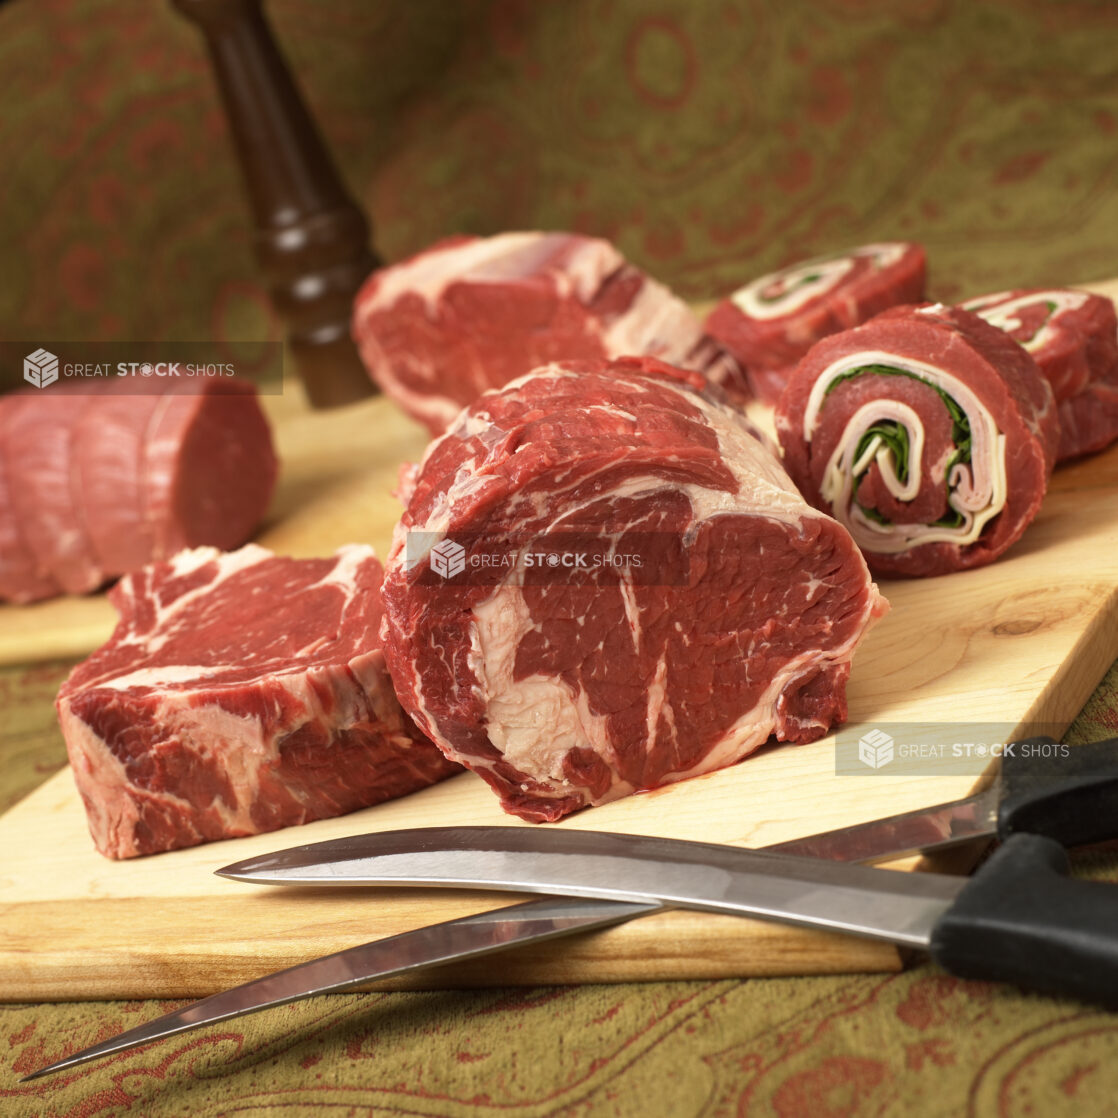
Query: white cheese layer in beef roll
{"type": "Point", "coordinates": [769, 324]}
{"type": "Point", "coordinates": [927, 432]}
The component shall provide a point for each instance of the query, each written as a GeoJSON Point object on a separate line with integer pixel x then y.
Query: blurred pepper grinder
{"type": "Point", "coordinates": [311, 238]}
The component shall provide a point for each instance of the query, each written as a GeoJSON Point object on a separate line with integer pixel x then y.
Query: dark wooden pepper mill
{"type": "Point", "coordinates": [311, 238]}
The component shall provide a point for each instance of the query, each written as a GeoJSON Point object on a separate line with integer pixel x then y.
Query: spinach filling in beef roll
{"type": "Point", "coordinates": [927, 433]}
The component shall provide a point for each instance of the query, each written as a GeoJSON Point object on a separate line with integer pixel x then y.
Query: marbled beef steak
{"type": "Point", "coordinates": [573, 684]}
{"type": "Point", "coordinates": [472, 313]}
{"type": "Point", "coordinates": [241, 692]}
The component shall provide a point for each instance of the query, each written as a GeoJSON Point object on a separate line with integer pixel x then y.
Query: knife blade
{"type": "Point", "coordinates": [617, 867]}
{"type": "Point", "coordinates": [1020, 919]}
{"type": "Point", "coordinates": [453, 940]}
{"type": "Point", "coordinates": [546, 918]}
{"type": "Point", "coordinates": [1069, 794]}
{"type": "Point", "coordinates": [450, 941]}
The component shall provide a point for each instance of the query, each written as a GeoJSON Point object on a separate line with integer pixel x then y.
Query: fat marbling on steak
{"type": "Point", "coordinates": [241, 692]}
{"type": "Point", "coordinates": [567, 683]}
{"type": "Point", "coordinates": [472, 313]}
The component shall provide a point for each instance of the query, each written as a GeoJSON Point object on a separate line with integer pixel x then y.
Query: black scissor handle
{"type": "Point", "coordinates": [1021, 919]}
{"type": "Point", "coordinates": [1068, 793]}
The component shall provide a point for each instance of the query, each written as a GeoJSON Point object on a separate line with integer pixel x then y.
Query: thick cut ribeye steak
{"type": "Point", "coordinates": [241, 692]}
{"type": "Point", "coordinates": [471, 313]}
{"type": "Point", "coordinates": [565, 681]}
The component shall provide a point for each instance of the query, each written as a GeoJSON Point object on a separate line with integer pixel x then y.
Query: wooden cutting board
{"type": "Point", "coordinates": [1022, 642]}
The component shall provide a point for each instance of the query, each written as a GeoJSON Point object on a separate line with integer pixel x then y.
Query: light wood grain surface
{"type": "Point", "coordinates": [1021, 642]}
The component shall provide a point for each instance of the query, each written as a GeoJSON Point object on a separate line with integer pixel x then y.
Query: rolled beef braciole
{"type": "Point", "coordinates": [603, 582]}
{"type": "Point", "coordinates": [927, 432]}
{"type": "Point", "coordinates": [769, 324]}
{"type": "Point", "coordinates": [1073, 337]}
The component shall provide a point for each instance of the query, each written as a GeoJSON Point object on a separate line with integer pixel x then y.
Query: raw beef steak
{"type": "Point", "coordinates": [241, 692]}
{"type": "Point", "coordinates": [711, 607]}
{"type": "Point", "coordinates": [927, 432]}
{"type": "Point", "coordinates": [470, 314]}
{"type": "Point", "coordinates": [97, 483]}
{"type": "Point", "coordinates": [1073, 337]}
{"type": "Point", "coordinates": [769, 324]}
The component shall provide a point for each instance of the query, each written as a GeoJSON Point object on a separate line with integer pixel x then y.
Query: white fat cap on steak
{"type": "Point", "coordinates": [496, 259]}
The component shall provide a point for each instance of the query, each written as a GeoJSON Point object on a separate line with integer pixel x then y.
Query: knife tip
{"type": "Point", "coordinates": [240, 871]}
{"type": "Point", "coordinates": [50, 1069]}
{"type": "Point", "coordinates": [251, 875]}
{"type": "Point", "coordinates": [247, 875]}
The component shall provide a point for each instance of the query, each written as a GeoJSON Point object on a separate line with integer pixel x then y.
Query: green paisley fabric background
{"type": "Point", "coordinates": [710, 139]}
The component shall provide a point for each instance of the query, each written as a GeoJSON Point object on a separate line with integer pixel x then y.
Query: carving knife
{"type": "Point", "coordinates": [1019, 919]}
{"type": "Point", "coordinates": [1068, 794]}
{"type": "Point", "coordinates": [1067, 798]}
